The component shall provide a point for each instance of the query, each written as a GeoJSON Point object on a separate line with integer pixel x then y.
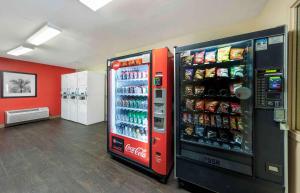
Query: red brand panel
{"type": "Point", "coordinates": [48, 86]}
{"type": "Point", "coordinates": [135, 150]}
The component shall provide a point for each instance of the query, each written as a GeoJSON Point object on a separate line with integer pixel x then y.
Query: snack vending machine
{"type": "Point", "coordinates": [230, 109]}
{"type": "Point", "coordinates": [140, 113]}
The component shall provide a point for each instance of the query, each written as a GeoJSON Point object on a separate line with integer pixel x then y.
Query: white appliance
{"type": "Point", "coordinates": [83, 97]}
{"type": "Point", "coordinates": [15, 117]}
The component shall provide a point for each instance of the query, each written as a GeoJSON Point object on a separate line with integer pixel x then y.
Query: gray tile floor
{"type": "Point", "coordinates": [58, 156]}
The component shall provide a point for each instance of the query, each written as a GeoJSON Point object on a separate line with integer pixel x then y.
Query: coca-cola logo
{"type": "Point", "coordinates": [141, 152]}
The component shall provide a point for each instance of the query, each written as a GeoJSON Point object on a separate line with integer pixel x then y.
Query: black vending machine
{"type": "Point", "coordinates": [230, 105]}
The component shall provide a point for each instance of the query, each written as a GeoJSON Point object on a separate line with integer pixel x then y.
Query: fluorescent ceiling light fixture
{"type": "Point", "coordinates": [95, 4]}
{"type": "Point", "coordinates": [43, 35]}
{"type": "Point", "coordinates": [19, 51]}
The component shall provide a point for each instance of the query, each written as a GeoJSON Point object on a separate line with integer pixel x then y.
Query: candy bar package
{"type": "Point", "coordinates": [189, 90]}
{"type": "Point", "coordinates": [240, 125]}
{"type": "Point", "coordinates": [211, 106]}
{"type": "Point", "coordinates": [226, 122]}
{"type": "Point", "coordinates": [189, 130]}
{"type": "Point", "coordinates": [188, 75]}
{"type": "Point", "coordinates": [189, 103]}
{"type": "Point", "coordinates": [199, 90]}
{"type": "Point", "coordinates": [237, 53]}
{"type": "Point", "coordinates": [206, 120]}
{"type": "Point", "coordinates": [199, 105]}
{"type": "Point", "coordinates": [201, 119]}
{"type": "Point", "coordinates": [238, 138]}
{"type": "Point", "coordinates": [237, 71]}
{"type": "Point", "coordinates": [232, 123]}
{"type": "Point", "coordinates": [185, 117]}
{"type": "Point", "coordinates": [199, 74]}
{"type": "Point", "coordinates": [223, 107]}
{"type": "Point", "coordinates": [199, 57]}
{"type": "Point", "coordinates": [199, 130]}
{"type": "Point", "coordinates": [218, 121]}
{"type": "Point", "coordinates": [236, 108]}
{"type": "Point", "coordinates": [196, 119]}
{"type": "Point", "coordinates": [210, 56]}
{"type": "Point", "coordinates": [222, 72]}
{"type": "Point", "coordinates": [211, 134]}
{"type": "Point", "coordinates": [187, 60]}
{"type": "Point", "coordinates": [234, 86]}
{"type": "Point", "coordinates": [223, 54]}
{"type": "Point", "coordinates": [213, 120]}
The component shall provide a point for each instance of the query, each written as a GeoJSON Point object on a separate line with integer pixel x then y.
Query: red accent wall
{"type": "Point", "coordinates": [48, 86]}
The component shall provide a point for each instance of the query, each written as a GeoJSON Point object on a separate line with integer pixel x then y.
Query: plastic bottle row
{"type": "Point", "coordinates": [139, 133]}
{"type": "Point", "coordinates": [142, 89]}
{"type": "Point", "coordinates": [133, 103]}
{"type": "Point", "coordinates": [133, 74]}
{"type": "Point", "coordinates": [134, 117]}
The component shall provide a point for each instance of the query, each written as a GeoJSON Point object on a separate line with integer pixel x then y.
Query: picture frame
{"type": "Point", "coordinates": [18, 84]}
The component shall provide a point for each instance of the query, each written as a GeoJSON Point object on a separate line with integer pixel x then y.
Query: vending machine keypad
{"type": "Point", "coordinates": [269, 89]}
{"type": "Point", "coordinates": [159, 110]}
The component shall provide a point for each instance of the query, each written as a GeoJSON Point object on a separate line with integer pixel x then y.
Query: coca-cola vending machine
{"type": "Point", "coordinates": [140, 113]}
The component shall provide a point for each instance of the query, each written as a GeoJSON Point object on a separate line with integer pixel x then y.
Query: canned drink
{"type": "Point", "coordinates": [140, 75]}
{"type": "Point", "coordinates": [135, 75]}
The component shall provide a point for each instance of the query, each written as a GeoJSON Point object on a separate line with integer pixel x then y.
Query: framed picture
{"type": "Point", "coordinates": [18, 84]}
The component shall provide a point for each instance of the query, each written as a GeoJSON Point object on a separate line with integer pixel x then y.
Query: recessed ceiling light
{"type": "Point", "coordinates": [95, 4]}
{"type": "Point", "coordinates": [19, 51]}
{"type": "Point", "coordinates": [43, 35]}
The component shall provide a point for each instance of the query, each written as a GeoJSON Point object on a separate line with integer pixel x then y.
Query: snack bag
{"type": "Point", "coordinates": [236, 108]}
{"type": "Point", "coordinates": [199, 90]}
{"type": "Point", "coordinates": [187, 60]}
{"type": "Point", "coordinates": [222, 72]}
{"type": "Point", "coordinates": [199, 74]}
{"type": "Point", "coordinates": [223, 107]}
{"type": "Point", "coordinates": [196, 119]}
{"type": "Point", "coordinates": [189, 130]}
{"type": "Point", "coordinates": [199, 57]}
{"type": "Point", "coordinates": [189, 90]}
{"type": "Point", "coordinates": [211, 106]}
{"type": "Point", "coordinates": [199, 105]}
{"type": "Point", "coordinates": [210, 56]}
{"type": "Point", "coordinates": [237, 53]}
{"type": "Point", "coordinates": [213, 120]}
{"type": "Point", "coordinates": [188, 74]}
{"type": "Point", "coordinates": [233, 123]}
{"type": "Point", "coordinates": [237, 71]}
{"type": "Point", "coordinates": [201, 119]}
{"type": "Point", "coordinates": [185, 117]}
{"type": "Point", "coordinates": [234, 86]}
{"type": "Point", "coordinates": [240, 125]}
{"type": "Point", "coordinates": [218, 121]}
{"type": "Point", "coordinates": [206, 120]}
{"type": "Point", "coordinates": [199, 130]}
{"type": "Point", "coordinates": [210, 72]}
{"type": "Point", "coordinates": [223, 54]}
{"type": "Point", "coordinates": [189, 104]}
{"type": "Point", "coordinates": [226, 122]}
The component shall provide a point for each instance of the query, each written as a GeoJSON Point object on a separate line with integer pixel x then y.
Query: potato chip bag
{"type": "Point", "coordinates": [210, 56]}
{"type": "Point", "coordinates": [210, 72]}
{"type": "Point", "coordinates": [199, 74]}
{"type": "Point", "coordinates": [199, 90]}
{"type": "Point", "coordinates": [237, 53]}
{"type": "Point", "coordinates": [199, 57]}
{"type": "Point", "coordinates": [200, 105]}
{"type": "Point", "coordinates": [188, 75]}
{"type": "Point", "coordinates": [223, 54]}
{"type": "Point", "coordinates": [222, 72]}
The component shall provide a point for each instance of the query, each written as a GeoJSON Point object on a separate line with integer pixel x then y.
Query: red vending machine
{"type": "Point", "coordinates": [140, 110]}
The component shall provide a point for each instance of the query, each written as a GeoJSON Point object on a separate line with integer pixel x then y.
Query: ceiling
{"type": "Point", "coordinates": [89, 38]}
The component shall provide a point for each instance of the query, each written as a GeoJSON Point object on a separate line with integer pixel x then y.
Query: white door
{"type": "Point", "coordinates": [82, 105]}
{"type": "Point", "coordinates": [64, 97]}
{"type": "Point", "coordinates": [82, 79]}
{"type": "Point", "coordinates": [73, 103]}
